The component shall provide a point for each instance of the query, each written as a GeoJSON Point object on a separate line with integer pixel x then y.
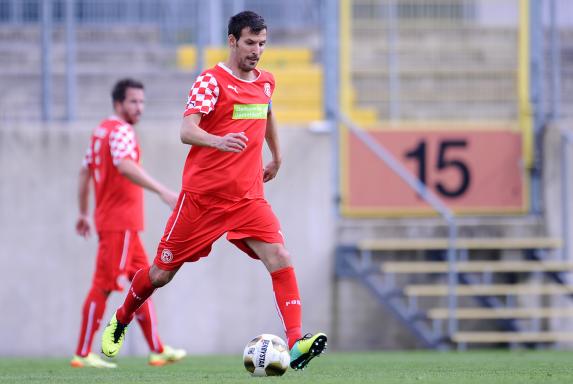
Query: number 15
{"type": "Point", "coordinates": [442, 163]}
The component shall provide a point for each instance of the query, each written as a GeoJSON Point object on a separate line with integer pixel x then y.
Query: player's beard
{"type": "Point", "coordinates": [248, 64]}
{"type": "Point", "coordinates": [133, 118]}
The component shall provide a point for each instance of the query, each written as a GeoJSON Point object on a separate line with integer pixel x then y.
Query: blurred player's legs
{"type": "Point", "coordinates": [169, 355]}
{"type": "Point", "coordinates": [160, 354]}
{"type": "Point", "coordinates": [91, 361]}
{"type": "Point", "coordinates": [133, 258]}
{"type": "Point", "coordinates": [93, 309]}
{"type": "Point", "coordinates": [114, 333]}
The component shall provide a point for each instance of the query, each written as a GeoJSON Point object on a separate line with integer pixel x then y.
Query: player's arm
{"type": "Point", "coordinates": [137, 175]}
{"type": "Point", "coordinates": [191, 133]}
{"type": "Point", "coordinates": [272, 138]}
{"type": "Point", "coordinates": [83, 223]}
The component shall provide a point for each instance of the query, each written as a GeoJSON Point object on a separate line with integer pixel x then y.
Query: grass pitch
{"type": "Point", "coordinates": [348, 368]}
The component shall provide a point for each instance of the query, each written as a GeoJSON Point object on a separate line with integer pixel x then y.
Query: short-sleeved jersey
{"type": "Point", "coordinates": [229, 105]}
{"type": "Point", "coordinates": [119, 202]}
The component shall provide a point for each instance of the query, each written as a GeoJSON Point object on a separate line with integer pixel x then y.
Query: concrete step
{"type": "Point", "coordinates": [449, 111]}
{"type": "Point", "coordinates": [351, 231]}
{"type": "Point", "coordinates": [133, 34]}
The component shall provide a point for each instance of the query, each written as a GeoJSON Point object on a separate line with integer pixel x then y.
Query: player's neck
{"type": "Point", "coordinates": [121, 117]}
{"type": "Point", "coordinates": [237, 72]}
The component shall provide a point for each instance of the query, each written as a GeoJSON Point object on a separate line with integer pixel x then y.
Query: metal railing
{"type": "Point", "coordinates": [429, 197]}
{"type": "Point", "coordinates": [175, 18]}
{"type": "Point", "coordinates": [436, 59]}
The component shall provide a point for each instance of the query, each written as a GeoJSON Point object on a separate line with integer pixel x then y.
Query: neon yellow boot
{"type": "Point", "coordinates": [307, 348]}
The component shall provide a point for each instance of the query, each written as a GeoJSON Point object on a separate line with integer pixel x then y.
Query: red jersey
{"type": "Point", "coordinates": [119, 202]}
{"type": "Point", "coordinates": [229, 105]}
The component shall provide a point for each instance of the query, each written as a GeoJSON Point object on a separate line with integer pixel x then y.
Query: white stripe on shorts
{"type": "Point", "coordinates": [125, 250]}
{"type": "Point", "coordinates": [176, 217]}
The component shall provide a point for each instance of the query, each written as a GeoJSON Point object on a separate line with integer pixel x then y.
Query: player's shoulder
{"type": "Point", "coordinates": [119, 127]}
{"type": "Point", "coordinates": [206, 79]}
{"type": "Point", "coordinates": [104, 128]}
{"type": "Point", "coordinates": [266, 75]}
{"type": "Point", "coordinates": [210, 74]}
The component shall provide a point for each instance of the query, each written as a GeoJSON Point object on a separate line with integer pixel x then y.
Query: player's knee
{"type": "Point", "coordinates": [159, 280]}
{"type": "Point", "coordinates": [159, 277]}
{"type": "Point", "coordinates": [282, 256]}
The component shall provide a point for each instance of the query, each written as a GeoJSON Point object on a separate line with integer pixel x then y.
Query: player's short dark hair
{"type": "Point", "coordinates": [120, 88]}
{"type": "Point", "coordinates": [245, 19]}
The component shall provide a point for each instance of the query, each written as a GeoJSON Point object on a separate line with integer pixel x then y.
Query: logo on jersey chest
{"type": "Point", "coordinates": [267, 87]}
{"type": "Point", "coordinates": [250, 111]}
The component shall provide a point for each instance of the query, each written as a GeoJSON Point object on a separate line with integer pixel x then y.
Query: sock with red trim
{"type": "Point", "coordinates": [288, 302]}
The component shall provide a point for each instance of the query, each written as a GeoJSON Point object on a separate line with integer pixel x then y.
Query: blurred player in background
{"type": "Point", "coordinates": [112, 161]}
{"type": "Point", "coordinates": [227, 119]}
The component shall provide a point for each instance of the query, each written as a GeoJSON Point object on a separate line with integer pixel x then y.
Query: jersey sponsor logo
{"type": "Point", "coordinates": [267, 87]}
{"type": "Point", "coordinates": [250, 111]}
{"type": "Point", "coordinates": [166, 256]}
{"type": "Point", "coordinates": [233, 87]}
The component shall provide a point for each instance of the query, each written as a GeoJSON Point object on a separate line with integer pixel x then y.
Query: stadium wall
{"type": "Point", "coordinates": [212, 306]}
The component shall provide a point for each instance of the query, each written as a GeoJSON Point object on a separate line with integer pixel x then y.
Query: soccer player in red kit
{"type": "Point", "coordinates": [227, 119]}
{"type": "Point", "coordinates": [112, 162]}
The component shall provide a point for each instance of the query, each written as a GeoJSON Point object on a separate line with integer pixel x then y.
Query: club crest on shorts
{"type": "Point", "coordinates": [268, 89]}
{"type": "Point", "coordinates": [166, 256]}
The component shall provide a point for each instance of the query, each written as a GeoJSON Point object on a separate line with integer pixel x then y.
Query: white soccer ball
{"type": "Point", "coordinates": [266, 355]}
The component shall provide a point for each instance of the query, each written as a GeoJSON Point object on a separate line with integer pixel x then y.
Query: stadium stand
{"type": "Point", "coordinates": [167, 71]}
{"type": "Point", "coordinates": [506, 277]}
{"type": "Point", "coordinates": [511, 287]}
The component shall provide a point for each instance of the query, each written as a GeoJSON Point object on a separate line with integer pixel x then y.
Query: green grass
{"type": "Point", "coordinates": [376, 367]}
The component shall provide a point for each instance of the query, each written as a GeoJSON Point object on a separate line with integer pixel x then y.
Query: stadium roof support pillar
{"type": "Point", "coordinates": [71, 78]}
{"type": "Point", "coordinates": [46, 60]}
{"type": "Point", "coordinates": [330, 62]}
{"type": "Point", "coordinates": [555, 49]}
{"type": "Point", "coordinates": [536, 62]}
{"type": "Point", "coordinates": [200, 33]}
{"type": "Point", "coordinates": [216, 23]}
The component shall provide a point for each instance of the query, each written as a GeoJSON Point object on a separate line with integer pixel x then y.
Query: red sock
{"type": "Point", "coordinates": [94, 307]}
{"type": "Point", "coordinates": [145, 315]}
{"type": "Point", "coordinates": [141, 288]}
{"type": "Point", "coordinates": [288, 303]}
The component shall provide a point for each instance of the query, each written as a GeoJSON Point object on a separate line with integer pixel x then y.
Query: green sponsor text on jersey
{"type": "Point", "coordinates": [250, 111]}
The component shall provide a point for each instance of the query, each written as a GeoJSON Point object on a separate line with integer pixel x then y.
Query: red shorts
{"type": "Point", "coordinates": [199, 220]}
{"type": "Point", "coordinates": [120, 253]}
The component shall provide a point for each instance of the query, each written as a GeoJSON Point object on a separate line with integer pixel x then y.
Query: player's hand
{"type": "Point", "coordinates": [271, 170]}
{"type": "Point", "coordinates": [83, 227]}
{"type": "Point", "coordinates": [169, 197]}
{"type": "Point", "coordinates": [232, 142]}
